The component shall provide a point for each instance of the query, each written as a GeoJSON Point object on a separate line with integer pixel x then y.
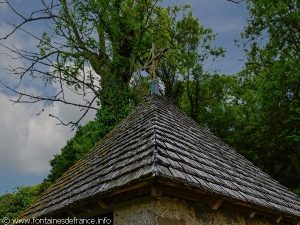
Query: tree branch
{"type": "Point", "coordinates": [236, 1]}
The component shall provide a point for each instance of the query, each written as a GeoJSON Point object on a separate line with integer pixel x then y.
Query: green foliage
{"type": "Point", "coordinates": [191, 45]}
{"type": "Point", "coordinates": [11, 205]}
{"type": "Point", "coordinates": [213, 103]}
{"type": "Point", "coordinates": [275, 70]}
{"type": "Point", "coordinates": [297, 192]}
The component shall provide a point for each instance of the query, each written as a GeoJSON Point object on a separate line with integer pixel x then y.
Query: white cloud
{"type": "Point", "coordinates": [69, 113]}
{"type": "Point", "coordinates": [7, 58]}
{"type": "Point", "coordinates": [27, 141]}
{"type": "Point", "coordinates": [3, 7]}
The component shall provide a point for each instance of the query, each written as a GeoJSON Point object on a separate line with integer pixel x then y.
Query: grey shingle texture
{"type": "Point", "coordinates": [158, 140]}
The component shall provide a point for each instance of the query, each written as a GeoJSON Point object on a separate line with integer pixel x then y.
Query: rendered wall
{"type": "Point", "coordinates": [167, 211]}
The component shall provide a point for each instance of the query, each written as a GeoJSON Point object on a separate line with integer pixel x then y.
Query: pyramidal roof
{"type": "Point", "coordinates": [157, 140]}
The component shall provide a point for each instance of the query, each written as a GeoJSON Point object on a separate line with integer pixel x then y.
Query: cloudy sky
{"type": "Point", "coordinates": [28, 141]}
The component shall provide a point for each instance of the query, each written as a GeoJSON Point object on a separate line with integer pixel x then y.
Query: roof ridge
{"type": "Point", "coordinates": [155, 152]}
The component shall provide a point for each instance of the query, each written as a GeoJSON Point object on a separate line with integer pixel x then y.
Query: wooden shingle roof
{"type": "Point", "coordinates": [158, 140]}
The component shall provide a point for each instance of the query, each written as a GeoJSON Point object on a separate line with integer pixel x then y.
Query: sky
{"type": "Point", "coordinates": [28, 141]}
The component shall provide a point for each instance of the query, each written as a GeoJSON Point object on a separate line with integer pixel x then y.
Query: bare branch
{"type": "Point", "coordinates": [36, 98]}
{"type": "Point", "coordinates": [236, 1]}
{"type": "Point", "coordinates": [75, 124]}
{"type": "Point", "coordinates": [30, 19]}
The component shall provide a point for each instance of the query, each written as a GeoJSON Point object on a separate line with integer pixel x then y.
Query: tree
{"type": "Point", "coordinates": [94, 47]}
{"type": "Point", "coordinates": [12, 204]}
{"type": "Point", "coordinates": [187, 37]}
{"type": "Point", "coordinates": [273, 45]}
{"type": "Point", "coordinates": [191, 46]}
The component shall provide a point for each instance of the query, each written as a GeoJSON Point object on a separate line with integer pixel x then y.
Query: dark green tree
{"type": "Point", "coordinates": [191, 45]}
{"type": "Point", "coordinates": [273, 46]}
{"type": "Point", "coordinates": [12, 204]}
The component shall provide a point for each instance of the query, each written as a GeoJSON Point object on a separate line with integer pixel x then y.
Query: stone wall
{"type": "Point", "coordinates": [168, 211]}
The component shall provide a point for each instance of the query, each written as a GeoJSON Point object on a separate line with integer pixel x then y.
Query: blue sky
{"type": "Point", "coordinates": [28, 141]}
